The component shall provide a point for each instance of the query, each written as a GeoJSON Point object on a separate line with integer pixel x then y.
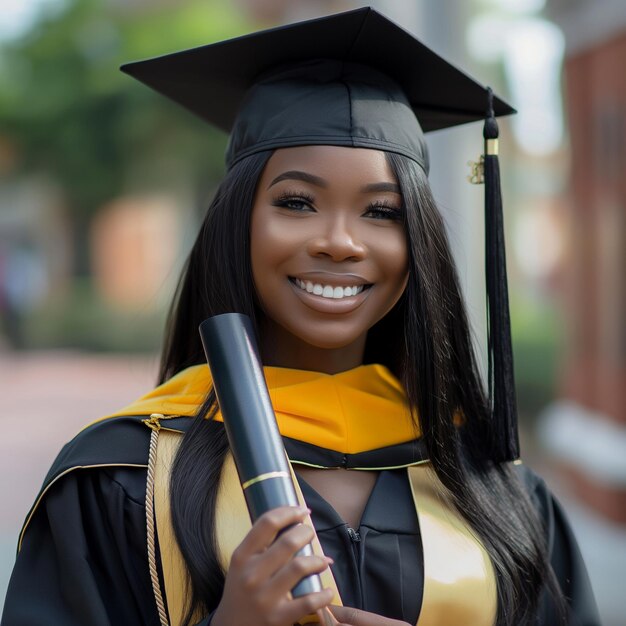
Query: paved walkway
{"type": "Point", "coordinates": [48, 397]}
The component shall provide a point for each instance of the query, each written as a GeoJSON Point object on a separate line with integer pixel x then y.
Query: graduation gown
{"type": "Point", "coordinates": [83, 554]}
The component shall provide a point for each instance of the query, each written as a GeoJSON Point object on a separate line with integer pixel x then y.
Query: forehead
{"type": "Point", "coordinates": [334, 164]}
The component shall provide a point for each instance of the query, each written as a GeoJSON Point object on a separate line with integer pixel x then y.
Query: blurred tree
{"type": "Point", "coordinates": [70, 114]}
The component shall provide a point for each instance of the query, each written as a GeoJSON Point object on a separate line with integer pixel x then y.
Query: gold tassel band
{"type": "Point", "coordinates": [491, 146]}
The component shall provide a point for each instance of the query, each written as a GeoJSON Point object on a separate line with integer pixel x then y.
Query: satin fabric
{"type": "Point", "coordinates": [350, 412]}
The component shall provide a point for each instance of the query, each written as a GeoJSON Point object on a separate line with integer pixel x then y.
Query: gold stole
{"type": "Point", "coordinates": [459, 581]}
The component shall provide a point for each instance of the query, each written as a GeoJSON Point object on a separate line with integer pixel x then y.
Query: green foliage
{"type": "Point", "coordinates": [81, 320]}
{"type": "Point", "coordinates": [68, 114]}
{"type": "Point", "coordinates": [537, 340]}
{"type": "Point", "coordinates": [71, 114]}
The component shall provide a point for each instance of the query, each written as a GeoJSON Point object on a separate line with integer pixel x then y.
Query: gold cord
{"type": "Point", "coordinates": [154, 576]}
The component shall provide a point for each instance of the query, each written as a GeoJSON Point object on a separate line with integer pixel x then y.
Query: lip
{"type": "Point", "coordinates": [331, 305]}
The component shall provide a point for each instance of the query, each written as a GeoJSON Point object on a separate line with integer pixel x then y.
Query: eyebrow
{"type": "Point", "coordinates": [374, 187]}
{"type": "Point", "coordinates": [298, 175]}
{"type": "Point", "coordinates": [320, 182]}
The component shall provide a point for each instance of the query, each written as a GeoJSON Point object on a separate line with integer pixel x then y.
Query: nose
{"type": "Point", "coordinates": [336, 239]}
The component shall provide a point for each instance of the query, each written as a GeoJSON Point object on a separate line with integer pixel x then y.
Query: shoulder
{"type": "Point", "coordinates": [113, 452]}
{"type": "Point", "coordinates": [560, 539]}
{"type": "Point", "coordinates": [564, 554]}
{"type": "Point", "coordinates": [116, 441]}
{"type": "Point", "coordinates": [538, 491]}
{"type": "Point", "coordinates": [543, 500]}
{"type": "Point", "coordinates": [531, 481]}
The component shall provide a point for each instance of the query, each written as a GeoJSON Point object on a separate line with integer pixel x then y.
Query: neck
{"type": "Point", "coordinates": [279, 348]}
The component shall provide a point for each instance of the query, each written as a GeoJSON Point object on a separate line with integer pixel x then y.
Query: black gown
{"type": "Point", "coordinates": [83, 558]}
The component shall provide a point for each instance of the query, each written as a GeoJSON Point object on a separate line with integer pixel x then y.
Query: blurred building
{"type": "Point", "coordinates": [133, 250]}
{"type": "Point", "coordinates": [586, 427]}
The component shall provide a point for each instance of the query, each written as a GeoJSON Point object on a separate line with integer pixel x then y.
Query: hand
{"type": "Point", "coordinates": [263, 570]}
{"type": "Point", "coordinates": [347, 616]}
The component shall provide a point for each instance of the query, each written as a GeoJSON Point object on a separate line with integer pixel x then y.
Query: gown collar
{"type": "Point", "coordinates": [357, 418]}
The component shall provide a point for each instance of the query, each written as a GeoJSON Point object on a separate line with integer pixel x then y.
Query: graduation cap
{"type": "Point", "coordinates": [351, 79]}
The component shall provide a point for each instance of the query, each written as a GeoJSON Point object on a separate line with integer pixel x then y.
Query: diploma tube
{"type": "Point", "coordinates": [244, 401]}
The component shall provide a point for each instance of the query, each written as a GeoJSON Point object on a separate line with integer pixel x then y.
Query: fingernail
{"type": "Point", "coordinates": [331, 561]}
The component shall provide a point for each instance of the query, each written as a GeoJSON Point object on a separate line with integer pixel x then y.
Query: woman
{"type": "Point", "coordinates": [325, 233]}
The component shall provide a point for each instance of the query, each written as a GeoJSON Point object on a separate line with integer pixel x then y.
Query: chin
{"type": "Point", "coordinates": [328, 344]}
{"type": "Point", "coordinates": [328, 337]}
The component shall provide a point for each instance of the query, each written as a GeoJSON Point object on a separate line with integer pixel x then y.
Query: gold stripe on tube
{"type": "Point", "coordinates": [491, 146]}
{"type": "Point", "coordinates": [261, 477]}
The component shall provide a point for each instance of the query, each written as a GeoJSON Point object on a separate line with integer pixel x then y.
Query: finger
{"type": "Point", "coordinates": [326, 618]}
{"type": "Point", "coordinates": [286, 546]}
{"type": "Point", "coordinates": [266, 528]}
{"type": "Point", "coordinates": [294, 610]}
{"type": "Point", "coordinates": [263, 566]}
{"type": "Point", "coordinates": [349, 616]}
{"type": "Point", "coordinates": [293, 572]}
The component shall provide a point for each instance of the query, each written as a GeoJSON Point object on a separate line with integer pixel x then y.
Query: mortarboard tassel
{"type": "Point", "coordinates": [504, 433]}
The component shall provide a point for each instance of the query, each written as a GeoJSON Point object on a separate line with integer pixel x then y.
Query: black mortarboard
{"type": "Point", "coordinates": [349, 79]}
{"type": "Point", "coordinates": [265, 88]}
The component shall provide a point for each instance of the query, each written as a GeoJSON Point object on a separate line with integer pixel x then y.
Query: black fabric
{"type": "Point", "coordinates": [327, 102]}
{"type": "Point", "coordinates": [379, 565]}
{"type": "Point", "coordinates": [399, 455]}
{"type": "Point", "coordinates": [121, 440]}
{"type": "Point", "coordinates": [84, 557]}
{"type": "Point", "coordinates": [353, 78]}
{"type": "Point", "coordinates": [565, 558]}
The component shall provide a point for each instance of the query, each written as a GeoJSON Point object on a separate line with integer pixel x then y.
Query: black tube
{"type": "Point", "coordinates": [257, 448]}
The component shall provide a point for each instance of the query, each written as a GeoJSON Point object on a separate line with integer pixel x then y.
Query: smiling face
{"type": "Point", "coordinates": [329, 253]}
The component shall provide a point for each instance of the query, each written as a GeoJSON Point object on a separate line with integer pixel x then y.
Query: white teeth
{"type": "Point", "coordinates": [328, 291]}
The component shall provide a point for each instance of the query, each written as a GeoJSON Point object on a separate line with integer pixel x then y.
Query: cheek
{"type": "Point", "coordinates": [393, 258]}
{"type": "Point", "coordinates": [271, 245]}
{"type": "Point", "coordinates": [395, 264]}
{"type": "Point", "coordinates": [274, 238]}
{"type": "Point", "coordinates": [261, 256]}
{"type": "Point", "coordinates": [265, 245]}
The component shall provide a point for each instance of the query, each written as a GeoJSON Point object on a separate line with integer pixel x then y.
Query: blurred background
{"type": "Point", "coordinates": [103, 185]}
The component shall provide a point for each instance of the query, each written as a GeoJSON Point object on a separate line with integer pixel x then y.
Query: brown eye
{"type": "Point", "coordinates": [296, 202]}
{"type": "Point", "coordinates": [383, 212]}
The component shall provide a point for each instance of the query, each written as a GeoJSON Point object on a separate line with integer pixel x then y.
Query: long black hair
{"type": "Point", "coordinates": [425, 340]}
